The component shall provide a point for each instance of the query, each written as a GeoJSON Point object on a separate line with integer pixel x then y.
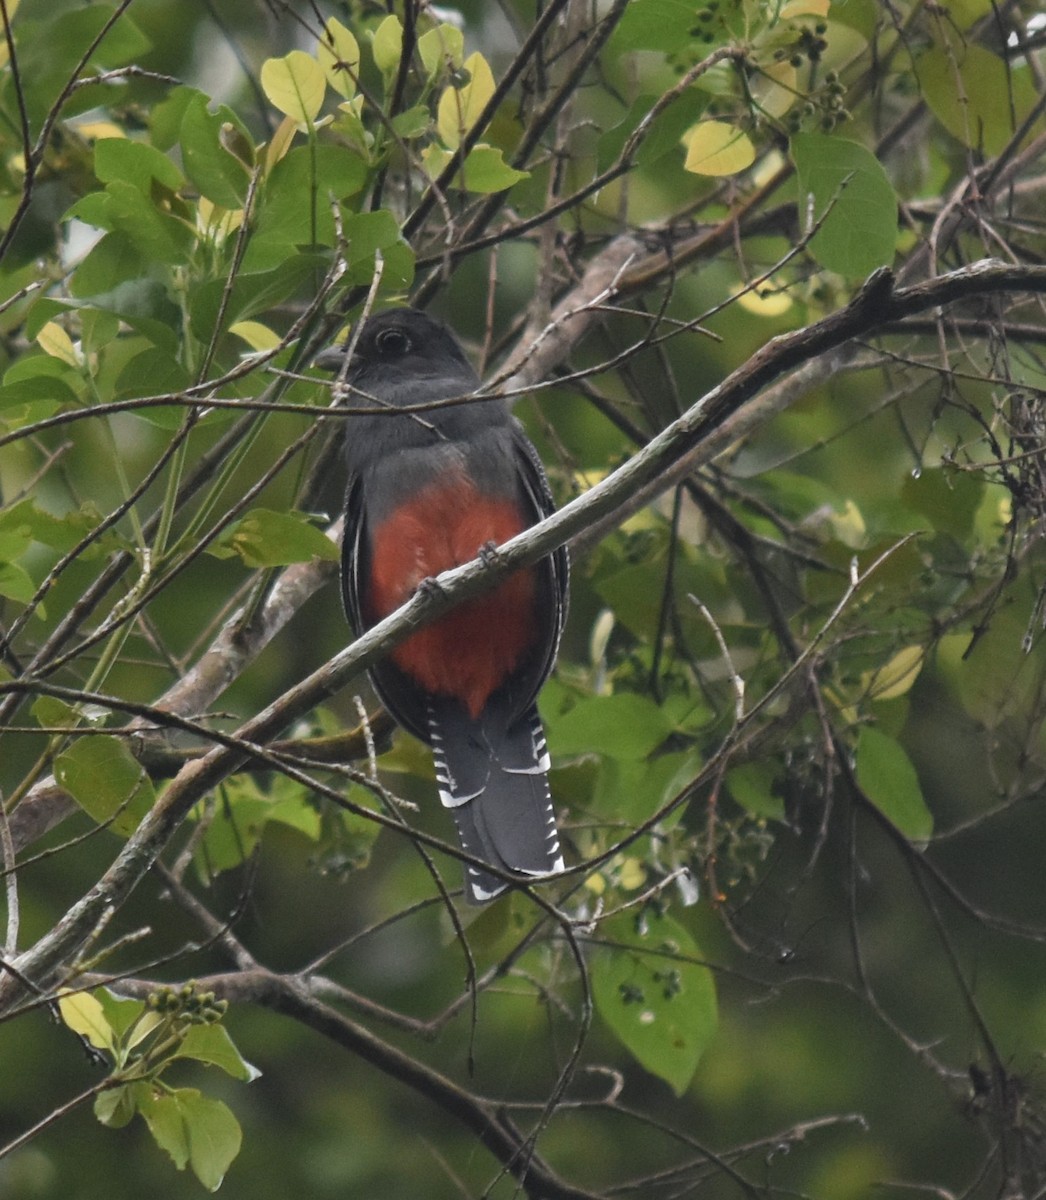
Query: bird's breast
{"type": "Point", "coordinates": [472, 650]}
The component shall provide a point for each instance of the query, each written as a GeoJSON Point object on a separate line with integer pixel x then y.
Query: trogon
{"type": "Point", "coordinates": [429, 490]}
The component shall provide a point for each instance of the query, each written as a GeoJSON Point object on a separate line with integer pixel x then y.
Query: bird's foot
{"type": "Point", "coordinates": [430, 588]}
{"type": "Point", "coordinates": [488, 554]}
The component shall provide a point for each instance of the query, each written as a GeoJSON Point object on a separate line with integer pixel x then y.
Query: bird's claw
{"type": "Point", "coordinates": [488, 554]}
{"type": "Point", "coordinates": [430, 587]}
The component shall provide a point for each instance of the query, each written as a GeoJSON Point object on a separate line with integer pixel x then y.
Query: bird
{"type": "Point", "coordinates": [428, 491]}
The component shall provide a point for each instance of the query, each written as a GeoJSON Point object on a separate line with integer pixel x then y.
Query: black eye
{"type": "Point", "coordinates": [393, 343]}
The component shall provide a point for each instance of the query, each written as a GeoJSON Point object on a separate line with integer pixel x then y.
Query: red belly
{"type": "Point", "coordinates": [472, 650]}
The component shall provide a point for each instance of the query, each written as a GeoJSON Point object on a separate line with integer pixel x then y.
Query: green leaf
{"type": "Point", "coordinates": [294, 210]}
{"type": "Point", "coordinates": [484, 170]}
{"type": "Point", "coordinates": [633, 789]}
{"type": "Point", "coordinates": [212, 1044]}
{"type": "Point", "coordinates": [662, 136]}
{"type": "Point", "coordinates": [963, 13]}
{"type": "Point", "coordinates": [142, 303]}
{"type": "Point", "coordinates": [51, 50]}
{"type": "Point", "coordinates": [366, 234]}
{"type": "Point", "coordinates": [253, 291]}
{"type": "Point", "coordinates": [134, 163]}
{"type": "Point", "coordinates": [14, 542]}
{"type": "Point", "coordinates": [154, 372]}
{"type": "Point", "coordinates": [122, 208]}
{"type": "Point", "coordinates": [654, 25]}
{"type": "Point", "coordinates": [412, 122]}
{"type": "Point", "coordinates": [295, 84]}
{"type": "Point", "coordinates": [97, 330]}
{"type": "Point", "coordinates": [47, 710]}
{"type": "Point", "coordinates": [32, 399]}
{"type": "Point", "coordinates": [163, 1115]}
{"type": "Point", "coordinates": [15, 537]}
{"type": "Point", "coordinates": [950, 500]}
{"type": "Point", "coordinates": [234, 831]}
{"type": "Point", "coordinates": [654, 996]}
{"type": "Point", "coordinates": [214, 1137]}
{"type": "Point", "coordinates": [633, 592]}
{"type": "Point", "coordinates": [434, 159]}
{"type": "Point", "coordinates": [338, 53]}
{"type": "Point", "coordinates": [219, 175]}
{"type": "Point", "coordinates": [16, 583]}
{"type": "Point", "coordinates": [165, 120]}
{"type": "Point", "coordinates": [194, 1130]}
{"type": "Point", "coordinates": [851, 191]}
{"type": "Point", "coordinates": [112, 260]}
{"type": "Point", "coordinates": [146, 306]}
{"type": "Point", "coordinates": [387, 45]}
{"type": "Point", "coordinates": [124, 41]}
{"type": "Point", "coordinates": [264, 538]}
{"type": "Point", "coordinates": [440, 48]}
{"type": "Point", "coordinates": [751, 785]}
{"type": "Point", "coordinates": [37, 385]}
{"type": "Point", "coordinates": [120, 1011]}
{"type": "Point", "coordinates": [103, 777]}
{"type": "Point", "coordinates": [115, 1107]}
{"type": "Point", "coordinates": [974, 94]}
{"type": "Point", "coordinates": [625, 725]}
{"type": "Point", "coordinates": [888, 779]}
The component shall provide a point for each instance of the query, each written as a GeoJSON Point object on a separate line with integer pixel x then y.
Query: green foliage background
{"type": "Point", "coordinates": [798, 721]}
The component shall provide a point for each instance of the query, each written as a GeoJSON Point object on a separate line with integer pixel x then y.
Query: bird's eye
{"type": "Point", "coordinates": [393, 343]}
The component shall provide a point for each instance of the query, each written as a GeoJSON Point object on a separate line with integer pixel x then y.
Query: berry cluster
{"type": "Point", "coordinates": [703, 31]}
{"type": "Point", "coordinates": [188, 1004]}
{"type": "Point", "coordinates": [807, 44]}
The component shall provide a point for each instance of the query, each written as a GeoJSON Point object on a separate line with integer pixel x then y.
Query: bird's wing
{"type": "Point", "coordinates": [553, 575]}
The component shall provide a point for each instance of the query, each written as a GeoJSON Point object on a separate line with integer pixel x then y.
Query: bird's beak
{"type": "Point", "coordinates": [330, 359]}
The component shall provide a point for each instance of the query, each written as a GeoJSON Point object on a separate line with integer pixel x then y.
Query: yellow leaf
{"type": "Point", "coordinates": [898, 675]}
{"type": "Point", "coordinates": [217, 222]}
{"type": "Point", "coordinates": [53, 340]}
{"type": "Point", "coordinates": [96, 130]}
{"type": "Point", "coordinates": [434, 158]}
{"type": "Point", "coordinates": [715, 148]}
{"type": "Point", "coordinates": [804, 8]}
{"type": "Point", "coordinates": [596, 884]}
{"type": "Point", "coordinates": [256, 335]}
{"type": "Point", "coordinates": [387, 45]}
{"type": "Point", "coordinates": [339, 56]}
{"type": "Point", "coordinates": [280, 142]}
{"type": "Point", "coordinates": [444, 44]}
{"type": "Point", "coordinates": [85, 1016]}
{"type": "Point", "coordinates": [848, 526]}
{"type": "Point", "coordinates": [765, 303]}
{"type": "Point", "coordinates": [776, 89]}
{"type": "Point", "coordinates": [294, 84]}
{"type": "Point", "coordinates": [460, 108]}
{"type": "Point", "coordinates": [633, 875]}
{"type": "Point", "coordinates": [11, 6]}
{"type": "Point", "coordinates": [145, 1025]}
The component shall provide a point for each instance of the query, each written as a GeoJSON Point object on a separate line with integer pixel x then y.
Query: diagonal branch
{"type": "Point", "coordinates": [668, 457]}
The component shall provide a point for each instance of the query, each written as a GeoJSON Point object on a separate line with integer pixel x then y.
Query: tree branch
{"type": "Point", "coordinates": [667, 458]}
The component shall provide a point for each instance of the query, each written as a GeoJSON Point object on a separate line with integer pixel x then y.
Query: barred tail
{"type": "Point", "coordinates": [494, 779]}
